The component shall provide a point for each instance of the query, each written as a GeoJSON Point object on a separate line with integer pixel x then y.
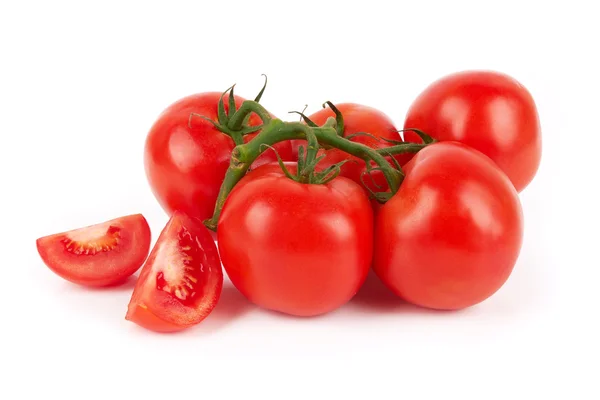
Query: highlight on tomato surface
{"type": "Point", "coordinates": [98, 255]}
{"type": "Point", "coordinates": [489, 111]}
{"type": "Point", "coordinates": [181, 281]}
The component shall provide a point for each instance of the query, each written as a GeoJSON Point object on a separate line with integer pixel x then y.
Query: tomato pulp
{"type": "Point", "coordinates": [98, 255]}
{"type": "Point", "coordinates": [451, 235]}
{"type": "Point", "coordinates": [181, 281]}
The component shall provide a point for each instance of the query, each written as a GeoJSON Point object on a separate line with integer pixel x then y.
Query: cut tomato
{"type": "Point", "coordinates": [98, 255]}
{"type": "Point", "coordinates": [182, 279]}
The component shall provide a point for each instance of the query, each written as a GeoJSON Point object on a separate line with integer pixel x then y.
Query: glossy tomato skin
{"type": "Point", "coordinates": [487, 110]}
{"type": "Point", "coordinates": [181, 281]}
{"type": "Point", "coordinates": [357, 118]}
{"type": "Point", "coordinates": [98, 255]}
{"type": "Point", "coordinates": [451, 235]}
{"type": "Point", "coordinates": [186, 159]}
{"type": "Point", "coordinates": [296, 248]}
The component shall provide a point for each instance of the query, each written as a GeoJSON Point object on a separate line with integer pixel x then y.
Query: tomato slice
{"type": "Point", "coordinates": [181, 280]}
{"type": "Point", "coordinates": [98, 255]}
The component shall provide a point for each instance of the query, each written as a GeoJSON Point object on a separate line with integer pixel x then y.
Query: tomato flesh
{"type": "Point", "coordinates": [181, 281]}
{"type": "Point", "coordinates": [450, 237]}
{"type": "Point", "coordinates": [98, 255]}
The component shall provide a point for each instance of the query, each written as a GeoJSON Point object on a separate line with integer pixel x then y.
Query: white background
{"type": "Point", "coordinates": [81, 83]}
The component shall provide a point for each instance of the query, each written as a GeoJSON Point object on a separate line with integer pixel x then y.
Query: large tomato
{"type": "Point", "coordinates": [488, 111]}
{"type": "Point", "coordinates": [186, 159]}
{"type": "Point", "coordinates": [451, 235]}
{"type": "Point", "coordinates": [301, 249]}
{"type": "Point", "coordinates": [181, 281]}
{"type": "Point", "coordinates": [98, 255]}
{"type": "Point", "coordinates": [357, 119]}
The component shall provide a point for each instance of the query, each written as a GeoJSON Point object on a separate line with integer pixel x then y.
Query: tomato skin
{"type": "Point", "coordinates": [102, 268]}
{"type": "Point", "coordinates": [357, 118]}
{"type": "Point", "coordinates": [181, 281]}
{"type": "Point", "coordinates": [487, 110]}
{"type": "Point", "coordinates": [296, 248]}
{"type": "Point", "coordinates": [185, 165]}
{"type": "Point", "coordinates": [451, 235]}
{"type": "Point", "coordinates": [142, 316]}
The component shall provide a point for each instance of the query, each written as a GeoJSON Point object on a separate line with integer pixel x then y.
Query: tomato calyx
{"type": "Point", "coordinates": [306, 168]}
{"type": "Point", "coordinates": [233, 123]}
{"type": "Point", "coordinates": [308, 156]}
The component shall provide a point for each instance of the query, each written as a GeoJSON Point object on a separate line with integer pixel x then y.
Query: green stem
{"type": "Point", "coordinates": [243, 155]}
{"type": "Point", "coordinates": [237, 137]}
{"type": "Point", "coordinates": [306, 173]}
{"type": "Point", "coordinates": [276, 131]}
{"type": "Point", "coordinates": [329, 137]}
{"type": "Point", "coordinates": [248, 107]}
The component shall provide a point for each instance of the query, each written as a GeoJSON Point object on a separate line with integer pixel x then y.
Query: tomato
{"type": "Point", "coordinates": [488, 111]}
{"type": "Point", "coordinates": [300, 249]}
{"type": "Point", "coordinates": [357, 118]}
{"type": "Point", "coordinates": [186, 158]}
{"type": "Point", "coordinates": [449, 238]}
{"type": "Point", "coordinates": [181, 281]}
{"type": "Point", "coordinates": [98, 255]}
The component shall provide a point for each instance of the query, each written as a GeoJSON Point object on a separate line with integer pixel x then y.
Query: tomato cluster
{"type": "Point", "coordinates": [303, 210]}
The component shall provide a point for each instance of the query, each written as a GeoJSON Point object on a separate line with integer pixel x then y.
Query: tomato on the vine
{"type": "Point", "coordinates": [449, 238]}
{"type": "Point", "coordinates": [489, 111]}
{"type": "Point", "coordinates": [301, 249]}
{"type": "Point", "coordinates": [181, 281]}
{"type": "Point", "coordinates": [98, 255]}
{"type": "Point", "coordinates": [357, 119]}
{"type": "Point", "coordinates": [186, 156]}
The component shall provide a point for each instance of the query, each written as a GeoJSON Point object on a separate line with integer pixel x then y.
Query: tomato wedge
{"type": "Point", "coordinates": [181, 280]}
{"type": "Point", "coordinates": [98, 255]}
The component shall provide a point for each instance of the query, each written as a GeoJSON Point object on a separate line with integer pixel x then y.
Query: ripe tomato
{"type": "Point", "coordinates": [451, 235]}
{"type": "Point", "coordinates": [181, 281]}
{"type": "Point", "coordinates": [296, 248]}
{"type": "Point", "coordinates": [98, 255]}
{"type": "Point", "coordinates": [357, 118]}
{"type": "Point", "coordinates": [186, 159]}
{"type": "Point", "coordinates": [488, 111]}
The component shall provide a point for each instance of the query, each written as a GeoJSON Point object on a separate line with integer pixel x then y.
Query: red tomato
{"type": "Point", "coordinates": [181, 281]}
{"type": "Point", "coordinates": [98, 255]}
{"type": "Point", "coordinates": [488, 111]}
{"type": "Point", "coordinates": [451, 235]}
{"type": "Point", "coordinates": [186, 165]}
{"type": "Point", "coordinates": [357, 118]}
{"type": "Point", "coordinates": [296, 248]}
